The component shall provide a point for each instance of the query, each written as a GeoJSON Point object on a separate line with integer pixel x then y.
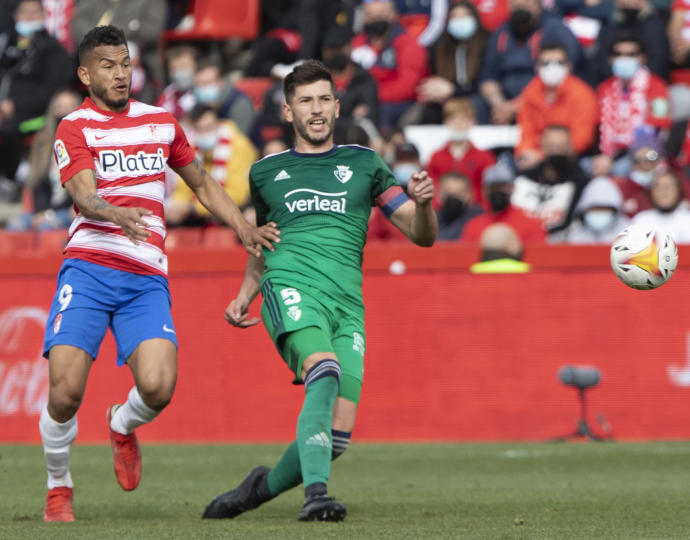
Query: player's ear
{"type": "Point", "coordinates": [287, 111]}
{"type": "Point", "coordinates": [83, 74]}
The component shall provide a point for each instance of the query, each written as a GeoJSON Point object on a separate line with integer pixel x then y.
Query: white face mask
{"type": "Point", "coordinates": [458, 135]}
{"type": "Point", "coordinates": [462, 27]}
{"type": "Point", "coordinates": [643, 178]}
{"type": "Point", "coordinates": [553, 74]}
{"type": "Point", "coordinates": [599, 220]}
{"type": "Point", "coordinates": [206, 141]}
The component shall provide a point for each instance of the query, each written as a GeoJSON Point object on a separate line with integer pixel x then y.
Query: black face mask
{"type": "Point", "coordinates": [559, 163]}
{"type": "Point", "coordinates": [499, 200]}
{"type": "Point", "coordinates": [451, 210]}
{"type": "Point", "coordinates": [630, 15]}
{"type": "Point", "coordinates": [521, 23]}
{"type": "Point", "coordinates": [376, 28]}
{"type": "Point", "coordinates": [337, 62]}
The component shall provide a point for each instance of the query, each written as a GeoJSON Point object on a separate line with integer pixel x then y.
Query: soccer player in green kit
{"type": "Point", "coordinates": [320, 196]}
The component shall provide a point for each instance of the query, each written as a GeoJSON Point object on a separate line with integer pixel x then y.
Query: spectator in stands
{"type": "Point", "coordinates": [501, 252]}
{"type": "Point", "coordinates": [177, 97]}
{"type": "Point", "coordinates": [394, 59]}
{"type": "Point", "coordinates": [668, 212]}
{"type": "Point", "coordinates": [33, 65]}
{"type": "Point", "coordinates": [58, 19]}
{"type": "Point", "coordinates": [638, 18]}
{"type": "Point", "coordinates": [554, 97]}
{"type": "Point", "coordinates": [598, 216]}
{"type": "Point", "coordinates": [142, 20]}
{"type": "Point", "coordinates": [509, 63]}
{"type": "Point", "coordinates": [142, 87]}
{"type": "Point", "coordinates": [550, 191]}
{"type": "Point", "coordinates": [226, 153]}
{"type": "Point", "coordinates": [46, 203]}
{"type": "Point", "coordinates": [498, 189]}
{"type": "Point", "coordinates": [459, 154]}
{"type": "Point", "coordinates": [280, 45]}
{"type": "Point", "coordinates": [423, 19]}
{"type": "Point", "coordinates": [585, 19]}
{"type": "Point", "coordinates": [273, 146]}
{"type": "Point", "coordinates": [211, 88]}
{"type": "Point", "coordinates": [679, 39]}
{"type": "Point", "coordinates": [456, 60]}
{"type": "Point", "coordinates": [632, 97]}
{"type": "Point", "coordinates": [355, 88]}
{"type": "Point", "coordinates": [457, 205]}
{"type": "Point", "coordinates": [492, 13]}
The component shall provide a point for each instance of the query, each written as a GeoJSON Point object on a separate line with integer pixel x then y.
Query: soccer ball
{"type": "Point", "coordinates": [644, 256]}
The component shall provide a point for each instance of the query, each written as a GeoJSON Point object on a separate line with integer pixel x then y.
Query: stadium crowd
{"type": "Point", "coordinates": [562, 119]}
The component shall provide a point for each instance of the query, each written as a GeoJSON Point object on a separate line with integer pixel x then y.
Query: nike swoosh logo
{"type": "Point", "coordinates": [166, 329]}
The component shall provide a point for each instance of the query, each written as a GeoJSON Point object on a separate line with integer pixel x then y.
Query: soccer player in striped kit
{"type": "Point", "coordinates": [112, 152]}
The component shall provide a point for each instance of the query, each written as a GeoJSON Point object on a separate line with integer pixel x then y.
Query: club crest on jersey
{"type": "Point", "coordinates": [294, 313]}
{"type": "Point", "coordinates": [343, 173]}
{"type": "Point", "coordinates": [115, 161]}
{"type": "Point", "coordinates": [61, 154]}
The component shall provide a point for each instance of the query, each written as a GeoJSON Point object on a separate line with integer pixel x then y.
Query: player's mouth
{"type": "Point", "coordinates": [121, 88]}
{"type": "Point", "coordinates": [317, 124]}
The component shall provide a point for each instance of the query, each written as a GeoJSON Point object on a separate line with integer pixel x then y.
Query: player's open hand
{"type": "Point", "coordinates": [420, 188]}
{"type": "Point", "coordinates": [132, 223]}
{"type": "Point", "coordinates": [254, 238]}
{"type": "Point", "coordinates": [237, 314]}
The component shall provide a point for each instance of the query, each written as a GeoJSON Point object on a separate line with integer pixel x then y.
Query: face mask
{"type": "Point", "coordinates": [458, 135]}
{"type": "Point", "coordinates": [208, 93]}
{"type": "Point", "coordinates": [462, 27]}
{"type": "Point", "coordinates": [28, 28]}
{"type": "Point", "coordinates": [520, 23]}
{"type": "Point", "coordinates": [451, 210]}
{"type": "Point", "coordinates": [183, 79]}
{"type": "Point", "coordinates": [376, 28]}
{"type": "Point", "coordinates": [630, 14]}
{"type": "Point", "coordinates": [643, 178]}
{"type": "Point", "coordinates": [206, 141]}
{"type": "Point", "coordinates": [338, 62]}
{"type": "Point", "coordinates": [553, 74]}
{"type": "Point", "coordinates": [403, 172]}
{"type": "Point", "coordinates": [598, 220]}
{"type": "Point", "coordinates": [560, 163]}
{"type": "Point", "coordinates": [625, 67]}
{"type": "Point", "coordinates": [499, 200]}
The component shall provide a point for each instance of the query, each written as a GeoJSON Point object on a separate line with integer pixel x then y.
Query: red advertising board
{"type": "Point", "coordinates": [450, 355]}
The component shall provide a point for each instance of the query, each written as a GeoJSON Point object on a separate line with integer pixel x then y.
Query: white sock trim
{"type": "Point", "coordinates": [57, 443]}
{"type": "Point", "coordinates": [132, 414]}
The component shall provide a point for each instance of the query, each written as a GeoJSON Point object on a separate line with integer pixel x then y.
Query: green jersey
{"type": "Point", "coordinates": [321, 203]}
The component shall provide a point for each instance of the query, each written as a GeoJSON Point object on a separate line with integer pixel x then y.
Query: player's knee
{"type": "Point", "coordinates": [157, 392]}
{"type": "Point", "coordinates": [327, 367]}
{"type": "Point", "coordinates": [64, 402]}
{"type": "Point", "coordinates": [341, 442]}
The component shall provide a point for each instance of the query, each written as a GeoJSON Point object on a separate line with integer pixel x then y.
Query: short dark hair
{"type": "Point", "coordinates": [100, 35]}
{"type": "Point", "coordinates": [309, 71]}
{"type": "Point", "coordinates": [199, 110]}
{"type": "Point", "coordinates": [626, 36]}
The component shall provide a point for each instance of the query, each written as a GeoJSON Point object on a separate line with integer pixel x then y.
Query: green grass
{"type": "Point", "coordinates": [550, 490]}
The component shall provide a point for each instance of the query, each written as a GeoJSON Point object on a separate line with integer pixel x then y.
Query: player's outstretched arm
{"type": "Point", "coordinates": [219, 203]}
{"type": "Point", "coordinates": [237, 312]}
{"type": "Point", "coordinates": [82, 187]}
{"type": "Point", "coordinates": [416, 218]}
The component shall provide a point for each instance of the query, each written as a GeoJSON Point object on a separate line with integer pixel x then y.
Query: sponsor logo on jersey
{"type": "Point", "coordinates": [282, 175]}
{"type": "Point", "coordinates": [318, 201]}
{"type": "Point", "coordinates": [343, 173]}
{"type": "Point", "coordinates": [61, 154]}
{"type": "Point", "coordinates": [116, 161]}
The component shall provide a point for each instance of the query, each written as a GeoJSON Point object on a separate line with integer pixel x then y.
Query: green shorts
{"type": "Point", "coordinates": [286, 310]}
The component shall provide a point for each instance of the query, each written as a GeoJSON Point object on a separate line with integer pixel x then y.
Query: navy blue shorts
{"type": "Point", "coordinates": [90, 298]}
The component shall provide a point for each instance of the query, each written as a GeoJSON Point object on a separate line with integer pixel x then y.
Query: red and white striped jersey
{"type": "Point", "coordinates": [128, 152]}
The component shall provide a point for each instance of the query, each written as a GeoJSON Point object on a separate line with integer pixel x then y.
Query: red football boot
{"type": "Point", "coordinates": [59, 505]}
{"type": "Point", "coordinates": [126, 455]}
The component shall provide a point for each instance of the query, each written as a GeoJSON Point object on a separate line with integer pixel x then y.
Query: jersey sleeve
{"type": "Point", "coordinates": [181, 152]}
{"type": "Point", "coordinates": [260, 207]}
{"type": "Point", "coordinates": [71, 151]}
{"type": "Point", "coordinates": [386, 192]}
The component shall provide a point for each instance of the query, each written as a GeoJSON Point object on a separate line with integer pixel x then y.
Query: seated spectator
{"type": "Point", "coordinates": [456, 59]}
{"type": "Point", "coordinates": [211, 88]}
{"type": "Point", "coordinates": [632, 97]}
{"type": "Point", "coordinates": [141, 87]}
{"type": "Point", "coordinates": [177, 98]}
{"type": "Point", "coordinates": [355, 88]}
{"type": "Point", "coordinates": [273, 146]}
{"type": "Point", "coordinates": [460, 155]}
{"type": "Point", "coordinates": [501, 252]}
{"type": "Point", "coordinates": [33, 65]}
{"type": "Point", "coordinates": [679, 39]}
{"type": "Point", "coordinates": [226, 153]}
{"type": "Point", "coordinates": [668, 212]}
{"type": "Point", "coordinates": [550, 191]}
{"type": "Point", "coordinates": [638, 18]}
{"type": "Point", "coordinates": [492, 13]}
{"type": "Point", "coordinates": [598, 216]}
{"type": "Point", "coordinates": [457, 205]}
{"type": "Point", "coordinates": [392, 57]}
{"type": "Point", "coordinates": [585, 19]}
{"type": "Point", "coordinates": [509, 63]}
{"type": "Point", "coordinates": [497, 186]}
{"type": "Point", "coordinates": [555, 97]}
{"type": "Point", "coordinates": [423, 19]}
{"type": "Point", "coordinates": [47, 205]}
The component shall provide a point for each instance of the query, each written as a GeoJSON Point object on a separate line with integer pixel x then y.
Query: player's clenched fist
{"type": "Point", "coordinates": [237, 314]}
{"type": "Point", "coordinates": [131, 221]}
{"type": "Point", "coordinates": [254, 238]}
{"type": "Point", "coordinates": [420, 187]}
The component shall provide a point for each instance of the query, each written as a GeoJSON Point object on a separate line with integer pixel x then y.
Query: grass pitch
{"type": "Point", "coordinates": [550, 490]}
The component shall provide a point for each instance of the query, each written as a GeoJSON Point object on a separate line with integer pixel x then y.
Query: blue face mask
{"type": "Point", "coordinates": [599, 220]}
{"type": "Point", "coordinates": [403, 171]}
{"type": "Point", "coordinates": [206, 141]}
{"type": "Point", "coordinates": [462, 27]}
{"type": "Point", "coordinates": [28, 28]}
{"type": "Point", "coordinates": [625, 67]}
{"type": "Point", "coordinates": [207, 94]}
